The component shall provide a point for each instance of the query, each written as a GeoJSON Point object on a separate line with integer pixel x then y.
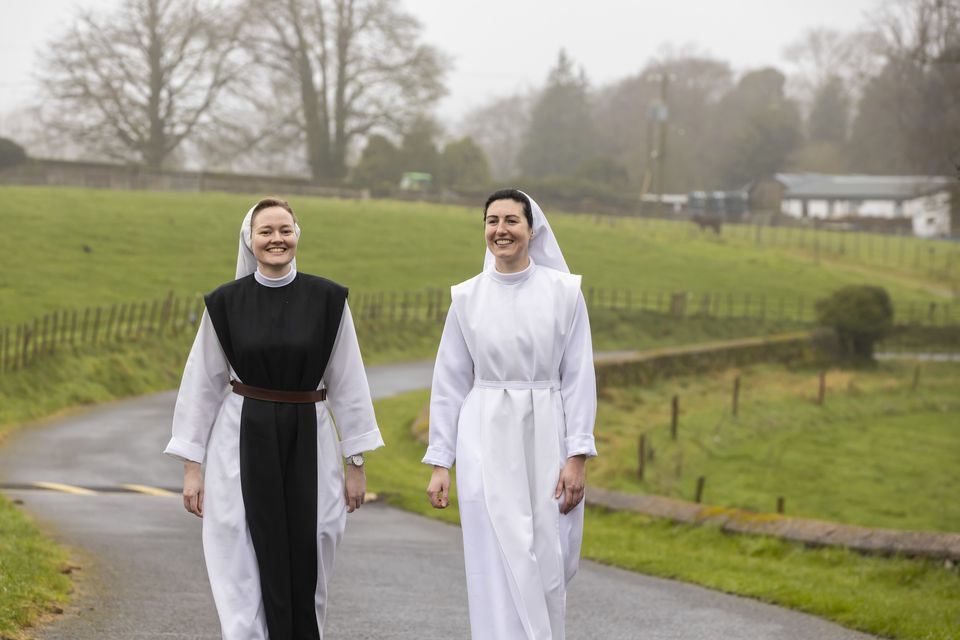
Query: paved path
{"type": "Point", "coordinates": [398, 575]}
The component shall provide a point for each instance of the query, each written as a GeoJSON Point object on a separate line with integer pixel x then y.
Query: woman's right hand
{"type": "Point", "coordinates": [439, 488]}
{"type": "Point", "coordinates": [193, 488]}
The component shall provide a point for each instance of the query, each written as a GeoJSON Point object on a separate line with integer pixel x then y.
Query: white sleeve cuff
{"type": "Point", "coordinates": [359, 444]}
{"type": "Point", "coordinates": [439, 457]}
{"type": "Point", "coordinates": [184, 450]}
{"type": "Point", "coordinates": [582, 444]}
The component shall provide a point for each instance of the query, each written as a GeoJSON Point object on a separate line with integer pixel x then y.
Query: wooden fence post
{"type": "Point", "coordinates": [166, 312]}
{"type": "Point", "coordinates": [19, 353]}
{"type": "Point", "coordinates": [674, 416]}
{"type": "Point", "coordinates": [641, 456]}
{"type": "Point", "coordinates": [780, 505]}
{"type": "Point", "coordinates": [118, 332]}
{"type": "Point", "coordinates": [54, 331]}
{"type": "Point", "coordinates": [143, 317]}
{"type": "Point", "coordinates": [109, 326]}
{"type": "Point", "coordinates": [174, 319]}
{"type": "Point", "coordinates": [822, 392]}
{"type": "Point", "coordinates": [736, 395]}
{"type": "Point", "coordinates": [44, 340]}
{"type": "Point", "coordinates": [34, 336]}
{"type": "Point", "coordinates": [153, 322]}
{"type": "Point", "coordinates": [701, 480]}
{"type": "Point", "coordinates": [96, 326]}
{"type": "Point", "coordinates": [83, 327]}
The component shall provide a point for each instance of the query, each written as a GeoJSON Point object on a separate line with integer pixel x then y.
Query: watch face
{"type": "Point", "coordinates": [356, 461]}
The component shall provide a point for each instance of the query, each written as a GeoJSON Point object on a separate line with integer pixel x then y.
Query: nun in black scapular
{"type": "Point", "coordinates": [276, 353]}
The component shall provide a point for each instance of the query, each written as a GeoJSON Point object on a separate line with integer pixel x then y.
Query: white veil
{"type": "Point", "coordinates": [246, 261]}
{"type": "Point", "coordinates": [544, 249]}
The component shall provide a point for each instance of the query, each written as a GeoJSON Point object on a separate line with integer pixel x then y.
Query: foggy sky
{"type": "Point", "coordinates": [499, 47]}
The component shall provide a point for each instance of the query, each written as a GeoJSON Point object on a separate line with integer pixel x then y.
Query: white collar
{"type": "Point", "coordinates": [512, 278]}
{"type": "Point", "coordinates": [273, 283]}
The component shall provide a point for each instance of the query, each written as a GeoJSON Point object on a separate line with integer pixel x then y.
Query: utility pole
{"type": "Point", "coordinates": [663, 114]}
{"type": "Point", "coordinates": [655, 169]}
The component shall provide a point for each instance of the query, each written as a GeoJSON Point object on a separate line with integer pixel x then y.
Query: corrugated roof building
{"type": "Point", "coordinates": [925, 200]}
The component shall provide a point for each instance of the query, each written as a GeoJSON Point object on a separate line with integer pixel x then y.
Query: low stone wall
{"type": "Point", "coordinates": [925, 544]}
{"type": "Point", "coordinates": [101, 175]}
{"type": "Point", "coordinates": [638, 367]}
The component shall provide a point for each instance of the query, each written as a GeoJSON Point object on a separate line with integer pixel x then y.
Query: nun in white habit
{"type": "Point", "coordinates": [513, 403]}
{"type": "Point", "coordinates": [254, 408]}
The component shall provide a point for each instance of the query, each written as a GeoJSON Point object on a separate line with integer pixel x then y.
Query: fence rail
{"type": "Point", "coordinates": [26, 343]}
{"type": "Point", "coordinates": [432, 304]}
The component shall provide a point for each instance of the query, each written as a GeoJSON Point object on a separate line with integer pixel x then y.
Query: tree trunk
{"type": "Point", "coordinates": [155, 150]}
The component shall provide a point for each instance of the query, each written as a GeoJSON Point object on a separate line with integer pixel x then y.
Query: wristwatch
{"type": "Point", "coordinates": [356, 460]}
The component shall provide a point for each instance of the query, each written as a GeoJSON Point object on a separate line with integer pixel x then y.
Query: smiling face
{"type": "Point", "coordinates": [274, 241]}
{"type": "Point", "coordinates": [508, 235]}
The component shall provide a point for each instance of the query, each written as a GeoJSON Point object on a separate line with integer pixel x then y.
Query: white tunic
{"type": "Point", "coordinates": [514, 394]}
{"type": "Point", "coordinates": [206, 427]}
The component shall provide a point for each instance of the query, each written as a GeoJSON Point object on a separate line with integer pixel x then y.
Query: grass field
{"type": "Point", "coordinates": [878, 453]}
{"type": "Point", "coordinates": [89, 247]}
{"type": "Point", "coordinates": [892, 597]}
{"type": "Point", "coordinates": [32, 577]}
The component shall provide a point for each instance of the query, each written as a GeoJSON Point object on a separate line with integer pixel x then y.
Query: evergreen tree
{"type": "Point", "coordinates": [380, 165]}
{"type": "Point", "coordinates": [418, 151]}
{"type": "Point", "coordinates": [463, 164]}
{"type": "Point", "coordinates": [763, 127]}
{"type": "Point", "coordinates": [828, 115]}
{"type": "Point", "coordinates": [561, 133]}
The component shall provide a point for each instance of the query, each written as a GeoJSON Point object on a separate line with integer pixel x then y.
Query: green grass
{"type": "Point", "coordinates": [893, 597]}
{"type": "Point", "coordinates": [144, 244]}
{"type": "Point", "coordinates": [32, 578]}
{"type": "Point", "coordinates": [876, 454]}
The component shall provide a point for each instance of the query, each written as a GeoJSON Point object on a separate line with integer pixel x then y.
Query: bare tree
{"type": "Point", "coordinates": [135, 84]}
{"type": "Point", "coordinates": [338, 70]}
{"type": "Point", "coordinates": [909, 117]}
{"type": "Point", "coordinates": [499, 127]}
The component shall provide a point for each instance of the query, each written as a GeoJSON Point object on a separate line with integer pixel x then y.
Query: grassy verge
{"type": "Point", "coordinates": [878, 453]}
{"type": "Point", "coordinates": [894, 597]}
{"type": "Point", "coordinates": [31, 572]}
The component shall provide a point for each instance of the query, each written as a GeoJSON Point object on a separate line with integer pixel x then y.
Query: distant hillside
{"type": "Point", "coordinates": [68, 248]}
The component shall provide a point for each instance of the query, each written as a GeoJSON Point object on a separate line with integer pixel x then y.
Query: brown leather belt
{"type": "Point", "coordinates": [272, 395]}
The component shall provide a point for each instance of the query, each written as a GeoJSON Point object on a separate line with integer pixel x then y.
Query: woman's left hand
{"type": "Point", "coordinates": [570, 485]}
{"type": "Point", "coordinates": [354, 486]}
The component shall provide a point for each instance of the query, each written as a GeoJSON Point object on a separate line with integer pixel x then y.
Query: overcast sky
{"type": "Point", "coordinates": [501, 46]}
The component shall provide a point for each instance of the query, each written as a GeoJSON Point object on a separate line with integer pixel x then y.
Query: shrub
{"type": "Point", "coordinates": [11, 154]}
{"type": "Point", "coordinates": [861, 315]}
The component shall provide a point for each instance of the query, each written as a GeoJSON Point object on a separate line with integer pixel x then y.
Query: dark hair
{"type": "Point", "coordinates": [267, 203]}
{"type": "Point", "coordinates": [511, 194]}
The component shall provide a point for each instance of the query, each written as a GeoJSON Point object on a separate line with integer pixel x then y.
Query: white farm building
{"type": "Point", "coordinates": [924, 200]}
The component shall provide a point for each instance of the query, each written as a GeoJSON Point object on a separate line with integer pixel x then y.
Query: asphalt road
{"type": "Point", "coordinates": [398, 576]}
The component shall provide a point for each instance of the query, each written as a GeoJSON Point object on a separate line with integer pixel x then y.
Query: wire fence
{"type": "Point", "coordinates": [432, 304]}
{"type": "Point", "coordinates": [68, 330]}
{"type": "Point", "coordinates": [937, 259]}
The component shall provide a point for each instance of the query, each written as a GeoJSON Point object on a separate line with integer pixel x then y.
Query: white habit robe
{"type": "Point", "coordinates": [514, 395]}
{"type": "Point", "coordinates": [206, 428]}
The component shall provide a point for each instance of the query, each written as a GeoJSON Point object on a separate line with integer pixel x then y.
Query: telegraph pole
{"type": "Point", "coordinates": [662, 114]}
{"type": "Point", "coordinates": [656, 165]}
